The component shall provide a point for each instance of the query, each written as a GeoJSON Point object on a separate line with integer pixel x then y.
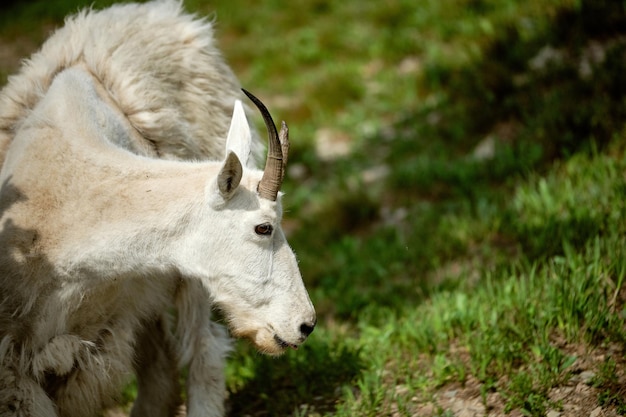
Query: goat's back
{"type": "Point", "coordinates": [159, 66]}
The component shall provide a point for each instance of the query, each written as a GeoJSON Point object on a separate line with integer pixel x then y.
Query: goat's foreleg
{"type": "Point", "coordinates": [203, 347]}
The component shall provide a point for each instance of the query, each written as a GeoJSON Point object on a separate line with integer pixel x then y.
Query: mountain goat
{"type": "Point", "coordinates": [128, 191]}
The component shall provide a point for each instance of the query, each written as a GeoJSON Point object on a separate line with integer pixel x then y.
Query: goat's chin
{"type": "Point", "coordinates": [264, 341]}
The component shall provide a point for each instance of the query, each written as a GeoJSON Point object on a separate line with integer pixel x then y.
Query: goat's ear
{"type": "Point", "coordinates": [230, 175]}
{"type": "Point", "coordinates": [239, 138]}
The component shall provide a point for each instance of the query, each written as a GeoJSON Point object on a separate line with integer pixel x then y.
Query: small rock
{"type": "Point", "coordinates": [402, 389]}
{"type": "Point", "coordinates": [546, 55]}
{"type": "Point", "coordinates": [486, 149]}
{"type": "Point", "coordinates": [596, 412]}
{"type": "Point", "coordinates": [587, 376]}
{"type": "Point", "coordinates": [450, 394]}
{"type": "Point", "coordinates": [331, 144]}
{"type": "Point", "coordinates": [428, 409]}
{"type": "Point", "coordinates": [297, 171]}
{"type": "Point", "coordinates": [553, 413]}
{"type": "Point", "coordinates": [409, 65]}
{"type": "Point", "coordinates": [375, 174]}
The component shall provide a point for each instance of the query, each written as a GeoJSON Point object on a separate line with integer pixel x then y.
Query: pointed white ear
{"type": "Point", "coordinates": [239, 137]}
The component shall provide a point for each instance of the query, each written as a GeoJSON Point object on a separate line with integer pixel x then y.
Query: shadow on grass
{"type": "Point", "coordinates": [266, 386]}
{"type": "Point", "coordinates": [374, 245]}
{"type": "Point", "coordinates": [560, 89]}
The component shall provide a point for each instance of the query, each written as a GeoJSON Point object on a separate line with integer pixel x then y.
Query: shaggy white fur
{"type": "Point", "coordinates": [106, 229]}
{"type": "Point", "coordinates": [159, 65]}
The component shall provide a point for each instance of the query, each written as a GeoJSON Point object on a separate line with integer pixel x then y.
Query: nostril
{"type": "Point", "coordinates": [307, 328]}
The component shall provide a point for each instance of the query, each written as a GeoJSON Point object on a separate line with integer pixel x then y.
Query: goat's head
{"type": "Point", "coordinates": [256, 282]}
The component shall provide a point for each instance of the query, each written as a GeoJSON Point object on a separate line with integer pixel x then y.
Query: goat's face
{"type": "Point", "coordinates": [257, 283]}
{"type": "Point", "coordinates": [254, 277]}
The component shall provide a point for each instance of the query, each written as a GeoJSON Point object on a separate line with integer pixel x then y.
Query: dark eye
{"type": "Point", "coordinates": [263, 229]}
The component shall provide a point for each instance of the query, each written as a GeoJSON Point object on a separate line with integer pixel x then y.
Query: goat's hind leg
{"type": "Point", "coordinates": [157, 372]}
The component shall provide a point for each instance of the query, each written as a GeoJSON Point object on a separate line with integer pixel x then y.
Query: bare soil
{"type": "Point", "coordinates": [577, 397]}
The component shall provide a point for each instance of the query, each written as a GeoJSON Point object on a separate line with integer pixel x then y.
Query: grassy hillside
{"type": "Point", "coordinates": [456, 196]}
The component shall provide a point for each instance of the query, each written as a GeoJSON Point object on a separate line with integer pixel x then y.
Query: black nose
{"type": "Point", "coordinates": [307, 328]}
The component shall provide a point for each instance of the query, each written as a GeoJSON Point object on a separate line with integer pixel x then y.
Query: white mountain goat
{"type": "Point", "coordinates": [108, 224]}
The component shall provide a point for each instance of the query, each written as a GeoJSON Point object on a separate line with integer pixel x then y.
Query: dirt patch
{"type": "Point", "coordinates": [575, 399]}
{"type": "Point", "coordinates": [580, 395]}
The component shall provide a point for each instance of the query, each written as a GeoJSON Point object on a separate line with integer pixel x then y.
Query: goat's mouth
{"type": "Point", "coordinates": [266, 340]}
{"type": "Point", "coordinates": [283, 344]}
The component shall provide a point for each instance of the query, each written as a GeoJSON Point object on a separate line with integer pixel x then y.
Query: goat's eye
{"type": "Point", "coordinates": [263, 229]}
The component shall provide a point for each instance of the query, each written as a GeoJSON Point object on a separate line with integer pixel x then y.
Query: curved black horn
{"type": "Point", "coordinates": [278, 145]}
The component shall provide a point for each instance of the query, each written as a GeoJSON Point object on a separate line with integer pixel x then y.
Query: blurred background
{"type": "Point", "coordinates": [448, 157]}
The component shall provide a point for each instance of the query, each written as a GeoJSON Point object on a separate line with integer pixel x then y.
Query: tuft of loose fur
{"type": "Point", "coordinates": [159, 65]}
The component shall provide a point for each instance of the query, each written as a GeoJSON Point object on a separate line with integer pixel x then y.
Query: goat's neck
{"type": "Point", "coordinates": [106, 211]}
{"type": "Point", "coordinates": [138, 221]}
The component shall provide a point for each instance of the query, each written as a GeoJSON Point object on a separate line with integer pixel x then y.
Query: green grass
{"type": "Point", "coordinates": [498, 277]}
